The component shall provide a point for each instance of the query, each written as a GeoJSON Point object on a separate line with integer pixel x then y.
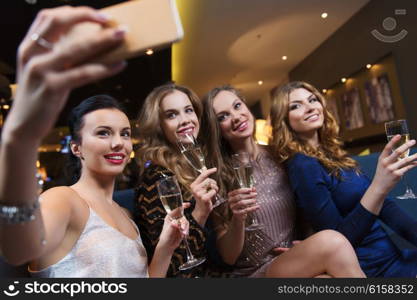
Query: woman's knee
{"type": "Point", "coordinates": [331, 240]}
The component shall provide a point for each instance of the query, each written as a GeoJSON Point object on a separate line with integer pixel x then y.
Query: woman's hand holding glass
{"type": "Point", "coordinates": [173, 231]}
{"type": "Point", "coordinates": [170, 194]}
{"type": "Point", "coordinates": [192, 152]}
{"type": "Point", "coordinates": [204, 191]}
{"type": "Point", "coordinates": [242, 202]}
{"type": "Point", "coordinates": [390, 167]}
{"type": "Point", "coordinates": [242, 165]}
{"type": "Point", "coordinates": [400, 127]}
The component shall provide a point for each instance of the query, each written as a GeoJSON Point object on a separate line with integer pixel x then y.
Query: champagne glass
{"type": "Point", "coordinates": [192, 152]}
{"type": "Point", "coordinates": [243, 168]}
{"type": "Point", "coordinates": [171, 197]}
{"type": "Point", "coordinates": [400, 127]}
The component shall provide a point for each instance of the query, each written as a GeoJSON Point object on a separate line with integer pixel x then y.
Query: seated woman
{"type": "Point", "coordinates": [169, 113]}
{"type": "Point", "coordinates": [230, 128]}
{"type": "Point", "coordinates": [331, 190]}
{"type": "Point", "coordinates": [78, 230]}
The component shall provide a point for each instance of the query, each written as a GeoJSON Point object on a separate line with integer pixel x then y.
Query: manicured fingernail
{"type": "Point", "coordinates": [123, 27]}
{"type": "Point", "coordinates": [103, 16]}
{"type": "Point", "coordinates": [119, 65]}
{"type": "Point", "coordinates": [120, 32]}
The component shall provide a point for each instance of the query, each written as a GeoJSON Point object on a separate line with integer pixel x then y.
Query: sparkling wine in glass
{"type": "Point", "coordinates": [192, 152]}
{"type": "Point", "coordinates": [195, 157]}
{"type": "Point", "coordinates": [404, 139]}
{"type": "Point", "coordinates": [171, 198]}
{"type": "Point", "coordinates": [243, 168]}
{"type": "Point", "coordinates": [392, 129]}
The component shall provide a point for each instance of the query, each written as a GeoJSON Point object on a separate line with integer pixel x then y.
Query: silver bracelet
{"type": "Point", "coordinates": [18, 214]}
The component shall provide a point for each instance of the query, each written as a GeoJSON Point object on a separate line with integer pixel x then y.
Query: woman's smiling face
{"type": "Point", "coordinates": [305, 114]}
{"type": "Point", "coordinates": [235, 119]}
{"type": "Point", "coordinates": [178, 117]}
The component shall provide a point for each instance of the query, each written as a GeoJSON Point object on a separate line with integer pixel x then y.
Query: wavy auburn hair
{"type": "Point", "coordinates": [287, 143]}
{"type": "Point", "coordinates": [153, 144]}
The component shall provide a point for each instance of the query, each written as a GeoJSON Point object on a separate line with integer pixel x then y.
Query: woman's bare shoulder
{"type": "Point", "coordinates": [61, 195]}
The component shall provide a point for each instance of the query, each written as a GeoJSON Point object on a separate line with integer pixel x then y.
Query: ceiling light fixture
{"type": "Point", "coordinates": [324, 91]}
{"type": "Point", "coordinates": [284, 57]}
{"type": "Point", "coordinates": [324, 15]}
{"type": "Point", "coordinates": [149, 52]}
{"type": "Point", "coordinates": [343, 80]}
{"type": "Point", "coordinates": [368, 66]}
{"type": "Point", "coordinates": [260, 82]}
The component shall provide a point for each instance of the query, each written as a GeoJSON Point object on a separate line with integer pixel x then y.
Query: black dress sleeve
{"type": "Point", "coordinates": [149, 216]}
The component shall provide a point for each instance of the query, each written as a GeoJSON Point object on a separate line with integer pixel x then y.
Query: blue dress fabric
{"type": "Point", "coordinates": [329, 202]}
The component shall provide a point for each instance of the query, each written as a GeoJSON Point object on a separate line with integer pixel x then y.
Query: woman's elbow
{"type": "Point", "coordinates": [19, 257]}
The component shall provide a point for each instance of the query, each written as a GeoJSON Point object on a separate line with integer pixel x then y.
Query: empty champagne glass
{"type": "Point", "coordinates": [171, 197]}
{"type": "Point", "coordinates": [192, 152]}
{"type": "Point", "coordinates": [243, 168]}
{"type": "Point", "coordinates": [400, 127]}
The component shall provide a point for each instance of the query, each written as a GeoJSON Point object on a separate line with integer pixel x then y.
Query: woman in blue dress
{"type": "Point", "coordinates": [331, 190]}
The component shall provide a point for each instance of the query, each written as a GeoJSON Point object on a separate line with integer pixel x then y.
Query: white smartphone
{"type": "Point", "coordinates": [149, 24]}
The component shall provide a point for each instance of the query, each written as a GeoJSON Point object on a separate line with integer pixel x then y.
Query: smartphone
{"type": "Point", "coordinates": [149, 24]}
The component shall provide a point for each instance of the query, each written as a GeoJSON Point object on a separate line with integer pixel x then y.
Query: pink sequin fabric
{"type": "Point", "coordinates": [277, 213]}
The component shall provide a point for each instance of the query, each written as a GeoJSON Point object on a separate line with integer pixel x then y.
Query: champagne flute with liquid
{"type": "Point", "coordinates": [192, 152]}
{"type": "Point", "coordinates": [243, 168]}
{"type": "Point", "coordinates": [171, 197]}
{"type": "Point", "coordinates": [400, 127]}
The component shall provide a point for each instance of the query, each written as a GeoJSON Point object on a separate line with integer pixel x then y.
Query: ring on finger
{"type": "Point", "coordinates": [40, 41]}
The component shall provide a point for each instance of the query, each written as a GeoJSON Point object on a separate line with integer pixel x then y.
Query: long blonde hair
{"type": "Point", "coordinates": [286, 142]}
{"type": "Point", "coordinates": [154, 146]}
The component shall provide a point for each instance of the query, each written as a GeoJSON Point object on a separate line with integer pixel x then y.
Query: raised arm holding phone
{"type": "Point", "coordinates": [47, 233]}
